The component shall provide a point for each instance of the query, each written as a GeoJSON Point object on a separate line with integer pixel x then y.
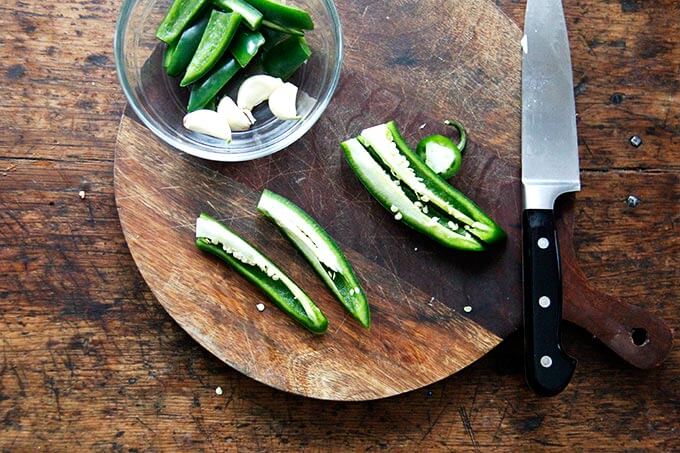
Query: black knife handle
{"type": "Point", "coordinates": [548, 368]}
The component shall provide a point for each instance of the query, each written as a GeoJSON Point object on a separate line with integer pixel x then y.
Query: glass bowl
{"type": "Point", "coordinates": [159, 102]}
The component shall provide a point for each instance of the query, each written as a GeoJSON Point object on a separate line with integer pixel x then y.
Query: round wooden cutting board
{"type": "Point", "coordinates": [434, 311]}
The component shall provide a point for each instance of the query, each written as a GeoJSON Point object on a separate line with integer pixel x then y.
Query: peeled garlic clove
{"type": "Point", "coordinates": [208, 122]}
{"type": "Point", "coordinates": [237, 119]}
{"type": "Point", "coordinates": [282, 102]}
{"type": "Point", "coordinates": [255, 90]}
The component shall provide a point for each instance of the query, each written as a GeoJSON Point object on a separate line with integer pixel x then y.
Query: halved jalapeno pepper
{"type": "Point", "coordinates": [215, 238]}
{"type": "Point", "coordinates": [322, 252]}
{"type": "Point", "coordinates": [417, 195]}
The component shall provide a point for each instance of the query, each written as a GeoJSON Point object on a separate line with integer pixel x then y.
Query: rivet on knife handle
{"type": "Point", "coordinates": [548, 368]}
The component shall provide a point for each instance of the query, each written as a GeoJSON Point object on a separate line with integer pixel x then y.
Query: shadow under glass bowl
{"type": "Point", "coordinates": [161, 105]}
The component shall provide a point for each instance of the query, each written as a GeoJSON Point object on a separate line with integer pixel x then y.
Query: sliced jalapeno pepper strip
{"type": "Point", "coordinates": [178, 55]}
{"type": "Point", "coordinates": [245, 46]}
{"type": "Point", "coordinates": [167, 55]}
{"type": "Point", "coordinates": [285, 15]}
{"type": "Point", "coordinates": [178, 17]}
{"type": "Point", "coordinates": [440, 154]}
{"type": "Point", "coordinates": [215, 238]}
{"type": "Point", "coordinates": [271, 38]}
{"type": "Point", "coordinates": [321, 251]}
{"type": "Point", "coordinates": [205, 90]}
{"type": "Point", "coordinates": [281, 29]}
{"type": "Point", "coordinates": [392, 197]}
{"type": "Point", "coordinates": [286, 57]}
{"type": "Point", "coordinates": [215, 40]}
{"type": "Point", "coordinates": [388, 144]}
{"type": "Point", "coordinates": [251, 16]}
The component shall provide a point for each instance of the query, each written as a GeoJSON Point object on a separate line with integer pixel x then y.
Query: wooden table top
{"type": "Point", "coordinates": [91, 361]}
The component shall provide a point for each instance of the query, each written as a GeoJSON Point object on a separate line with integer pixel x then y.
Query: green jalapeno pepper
{"type": "Point", "coordinates": [389, 194]}
{"type": "Point", "coordinates": [444, 196]}
{"type": "Point", "coordinates": [251, 16]}
{"type": "Point", "coordinates": [245, 46]}
{"type": "Point", "coordinates": [281, 29]}
{"type": "Point", "coordinates": [418, 196]}
{"type": "Point", "coordinates": [215, 40]}
{"type": "Point", "coordinates": [284, 15]}
{"type": "Point", "coordinates": [286, 57]}
{"type": "Point", "coordinates": [167, 55]}
{"type": "Point", "coordinates": [178, 55]}
{"type": "Point", "coordinates": [178, 17]}
{"type": "Point", "coordinates": [441, 154]}
{"type": "Point", "coordinates": [215, 238]}
{"type": "Point", "coordinates": [321, 251]}
{"type": "Point", "coordinates": [206, 89]}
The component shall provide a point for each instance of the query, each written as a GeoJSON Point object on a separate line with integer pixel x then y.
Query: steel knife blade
{"type": "Point", "coordinates": [549, 168]}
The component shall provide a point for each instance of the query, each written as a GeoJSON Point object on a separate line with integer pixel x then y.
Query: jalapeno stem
{"type": "Point", "coordinates": [462, 140]}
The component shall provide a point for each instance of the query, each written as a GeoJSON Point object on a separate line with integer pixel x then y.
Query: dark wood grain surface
{"type": "Point", "coordinates": [91, 361]}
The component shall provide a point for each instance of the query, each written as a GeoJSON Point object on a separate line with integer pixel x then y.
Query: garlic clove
{"type": "Point", "coordinates": [208, 122]}
{"type": "Point", "coordinates": [282, 102]}
{"type": "Point", "coordinates": [255, 90]}
{"type": "Point", "coordinates": [237, 118]}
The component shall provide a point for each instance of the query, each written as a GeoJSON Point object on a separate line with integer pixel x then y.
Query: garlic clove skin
{"type": "Point", "coordinates": [250, 116]}
{"type": "Point", "coordinates": [255, 90]}
{"type": "Point", "coordinates": [208, 122]}
{"type": "Point", "coordinates": [237, 118]}
{"type": "Point", "coordinates": [282, 102]}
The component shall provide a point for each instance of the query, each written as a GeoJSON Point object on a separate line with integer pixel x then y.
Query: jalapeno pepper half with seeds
{"type": "Point", "coordinates": [441, 154]}
{"type": "Point", "coordinates": [215, 40]}
{"type": "Point", "coordinates": [322, 252]}
{"type": "Point", "coordinates": [215, 238]}
{"type": "Point", "coordinates": [415, 193]}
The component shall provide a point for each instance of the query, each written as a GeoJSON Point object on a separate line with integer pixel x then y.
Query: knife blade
{"type": "Point", "coordinates": [550, 168]}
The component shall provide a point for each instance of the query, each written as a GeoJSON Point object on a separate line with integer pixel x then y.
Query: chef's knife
{"type": "Point", "coordinates": [549, 169]}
